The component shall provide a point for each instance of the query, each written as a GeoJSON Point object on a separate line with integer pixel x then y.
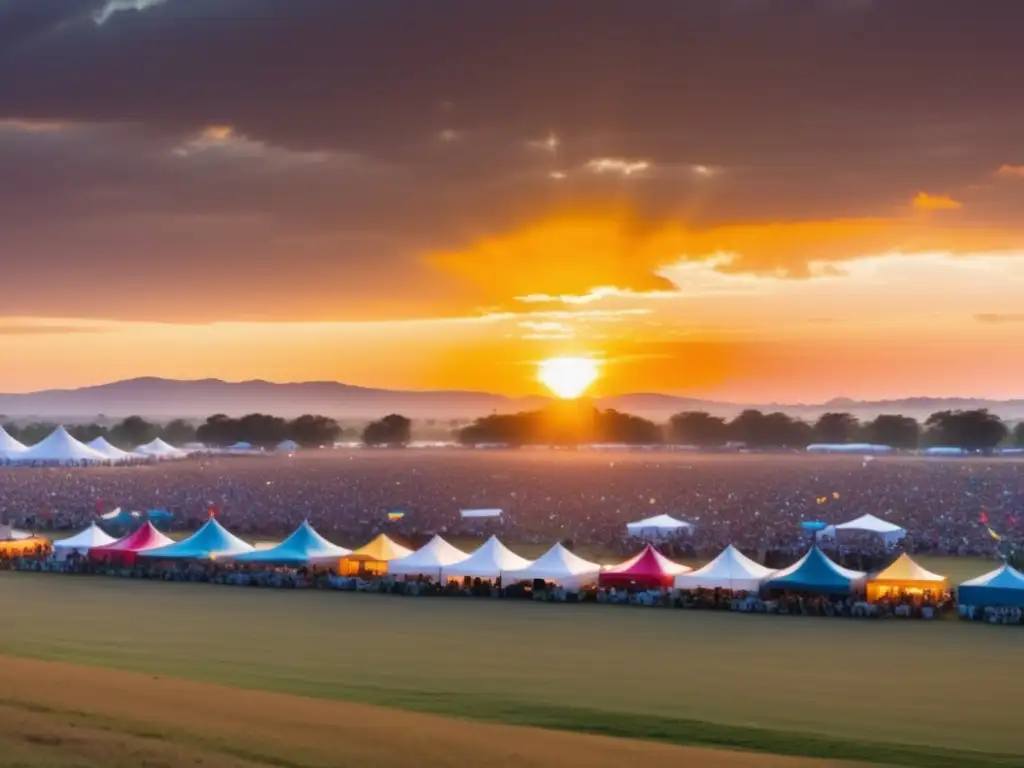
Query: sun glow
{"type": "Point", "coordinates": [568, 377]}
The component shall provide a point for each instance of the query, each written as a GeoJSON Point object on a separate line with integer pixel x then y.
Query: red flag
{"type": "Point", "coordinates": [213, 512]}
{"type": "Point", "coordinates": [1011, 520]}
{"type": "Point", "coordinates": [983, 517]}
{"type": "Point", "coordinates": [99, 506]}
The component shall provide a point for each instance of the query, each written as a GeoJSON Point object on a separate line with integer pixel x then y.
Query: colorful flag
{"type": "Point", "coordinates": [395, 516]}
{"type": "Point", "coordinates": [994, 535]}
{"type": "Point", "coordinates": [983, 517]}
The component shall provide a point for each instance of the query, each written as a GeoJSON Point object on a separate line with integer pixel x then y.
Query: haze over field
{"type": "Point", "coordinates": [164, 398]}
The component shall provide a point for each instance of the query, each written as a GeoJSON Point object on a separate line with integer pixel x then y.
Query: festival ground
{"type": "Point", "coordinates": [900, 693]}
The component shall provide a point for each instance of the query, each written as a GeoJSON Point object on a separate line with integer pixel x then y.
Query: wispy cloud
{"type": "Point", "coordinates": [450, 135]}
{"type": "Point", "coordinates": [113, 7]}
{"type": "Point", "coordinates": [924, 201]}
{"type": "Point", "coordinates": [224, 140]}
{"type": "Point", "coordinates": [21, 125]}
{"type": "Point", "coordinates": [617, 165]}
{"type": "Point", "coordinates": [549, 143]}
{"type": "Point", "coordinates": [1008, 171]}
{"type": "Point", "coordinates": [993, 318]}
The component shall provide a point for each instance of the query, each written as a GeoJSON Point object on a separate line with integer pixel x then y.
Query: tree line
{"type": "Point", "coordinates": [974, 430]}
{"type": "Point", "coordinates": [257, 429]}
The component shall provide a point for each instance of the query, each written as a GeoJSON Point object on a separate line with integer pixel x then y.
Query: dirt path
{"type": "Point", "coordinates": [63, 715]}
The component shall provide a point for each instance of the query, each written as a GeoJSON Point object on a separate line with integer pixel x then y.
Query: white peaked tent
{"type": "Point", "coordinates": [9, 447]}
{"type": "Point", "coordinates": [93, 536]}
{"type": "Point", "coordinates": [890, 532]}
{"type": "Point", "coordinates": [60, 448]}
{"type": "Point", "coordinates": [160, 450]}
{"type": "Point", "coordinates": [112, 452]}
{"type": "Point", "coordinates": [559, 566]}
{"type": "Point", "coordinates": [488, 562]}
{"type": "Point", "coordinates": [657, 527]}
{"type": "Point", "coordinates": [428, 560]}
{"type": "Point", "coordinates": [730, 570]}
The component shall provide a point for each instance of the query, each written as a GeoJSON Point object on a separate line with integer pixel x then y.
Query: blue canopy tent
{"type": "Point", "coordinates": [211, 541]}
{"type": "Point", "coordinates": [304, 547]}
{"type": "Point", "coordinates": [1003, 587]}
{"type": "Point", "coordinates": [816, 573]}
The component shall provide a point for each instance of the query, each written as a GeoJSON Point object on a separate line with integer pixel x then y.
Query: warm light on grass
{"type": "Point", "coordinates": [568, 377]}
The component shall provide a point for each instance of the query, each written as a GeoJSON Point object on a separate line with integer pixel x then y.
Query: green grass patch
{"type": "Point", "coordinates": [902, 693]}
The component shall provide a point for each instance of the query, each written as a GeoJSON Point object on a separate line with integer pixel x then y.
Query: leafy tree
{"type": "Point", "coordinates": [836, 428]}
{"type": "Point", "coordinates": [773, 430]}
{"type": "Point", "coordinates": [30, 434]}
{"type": "Point", "coordinates": [86, 433]}
{"type": "Point", "coordinates": [314, 431]}
{"type": "Point", "coordinates": [218, 430]}
{"type": "Point", "coordinates": [976, 430]}
{"type": "Point", "coordinates": [179, 432]}
{"type": "Point", "coordinates": [393, 430]}
{"type": "Point", "coordinates": [698, 428]}
{"type": "Point", "coordinates": [133, 432]}
{"type": "Point", "coordinates": [900, 432]}
{"type": "Point", "coordinates": [615, 427]}
{"type": "Point", "coordinates": [1018, 435]}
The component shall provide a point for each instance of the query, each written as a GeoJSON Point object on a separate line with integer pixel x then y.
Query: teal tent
{"type": "Point", "coordinates": [1003, 587]}
{"type": "Point", "coordinates": [304, 547]}
{"type": "Point", "coordinates": [814, 572]}
{"type": "Point", "coordinates": [209, 542]}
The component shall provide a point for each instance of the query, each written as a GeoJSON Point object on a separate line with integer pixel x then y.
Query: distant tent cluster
{"type": "Point", "coordinates": [60, 448]}
{"type": "Point", "coordinates": [732, 571]}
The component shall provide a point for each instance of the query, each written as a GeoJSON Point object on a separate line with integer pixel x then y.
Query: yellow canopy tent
{"type": "Point", "coordinates": [372, 558]}
{"type": "Point", "coordinates": [17, 547]}
{"type": "Point", "coordinates": [904, 575]}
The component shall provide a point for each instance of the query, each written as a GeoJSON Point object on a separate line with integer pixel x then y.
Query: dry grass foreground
{"type": "Point", "coordinates": [64, 715]}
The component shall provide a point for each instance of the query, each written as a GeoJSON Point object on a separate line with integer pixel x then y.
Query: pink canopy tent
{"type": "Point", "coordinates": [649, 569]}
{"type": "Point", "coordinates": [124, 551]}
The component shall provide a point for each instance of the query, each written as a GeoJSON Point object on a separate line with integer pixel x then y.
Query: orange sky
{"type": "Point", "coordinates": [669, 188]}
{"type": "Point", "coordinates": [663, 309]}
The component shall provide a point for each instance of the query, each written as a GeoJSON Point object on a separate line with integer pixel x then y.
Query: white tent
{"type": "Point", "coordinates": [112, 452]}
{"type": "Point", "coordinates": [288, 446]}
{"type": "Point", "coordinates": [730, 570]}
{"type": "Point", "coordinates": [9, 447]}
{"type": "Point", "coordinates": [488, 562]}
{"type": "Point", "coordinates": [428, 560]}
{"type": "Point", "coordinates": [854, 448]}
{"type": "Point", "coordinates": [657, 527]}
{"type": "Point", "coordinates": [476, 514]}
{"type": "Point", "coordinates": [93, 536]}
{"type": "Point", "coordinates": [160, 450]}
{"type": "Point", "coordinates": [559, 566]}
{"type": "Point", "coordinates": [890, 532]}
{"type": "Point", "coordinates": [60, 448]}
{"type": "Point", "coordinates": [10, 533]}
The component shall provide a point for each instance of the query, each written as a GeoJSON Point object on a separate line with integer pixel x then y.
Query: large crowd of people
{"type": "Point", "coordinates": [756, 502]}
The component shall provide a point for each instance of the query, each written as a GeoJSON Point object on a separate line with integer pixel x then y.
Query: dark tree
{"type": "Point", "coordinates": [773, 430]}
{"type": "Point", "coordinates": [836, 428]}
{"type": "Point", "coordinates": [86, 433]}
{"type": "Point", "coordinates": [1018, 435]}
{"type": "Point", "coordinates": [393, 430]}
{"type": "Point", "coordinates": [901, 432]}
{"type": "Point", "coordinates": [179, 432]}
{"type": "Point", "coordinates": [30, 434]}
{"type": "Point", "coordinates": [698, 428]}
{"type": "Point", "coordinates": [218, 430]}
{"type": "Point", "coordinates": [314, 431]}
{"type": "Point", "coordinates": [614, 427]}
{"type": "Point", "coordinates": [976, 430]}
{"type": "Point", "coordinates": [132, 432]}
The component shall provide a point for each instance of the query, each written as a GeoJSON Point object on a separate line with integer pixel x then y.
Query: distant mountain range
{"type": "Point", "coordinates": [167, 398]}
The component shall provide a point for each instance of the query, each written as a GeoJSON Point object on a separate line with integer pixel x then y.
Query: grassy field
{"type": "Point", "coordinates": [902, 693]}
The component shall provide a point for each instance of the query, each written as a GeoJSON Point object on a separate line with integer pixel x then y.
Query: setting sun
{"type": "Point", "coordinates": [568, 377]}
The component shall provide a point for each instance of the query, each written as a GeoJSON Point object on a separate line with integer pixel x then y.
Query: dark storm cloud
{"type": "Point", "coordinates": [364, 133]}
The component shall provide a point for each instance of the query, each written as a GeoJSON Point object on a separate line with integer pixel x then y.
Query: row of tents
{"type": "Point", "coordinates": [61, 448]}
{"type": "Point", "coordinates": [731, 570]}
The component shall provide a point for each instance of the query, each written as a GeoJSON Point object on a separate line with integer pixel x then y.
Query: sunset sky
{"type": "Point", "coordinates": [750, 200]}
